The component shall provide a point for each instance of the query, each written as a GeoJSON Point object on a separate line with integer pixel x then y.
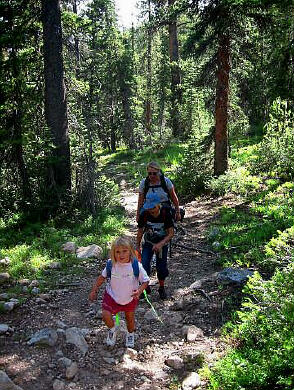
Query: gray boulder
{"type": "Point", "coordinates": [235, 276]}
{"type": "Point", "coordinates": [46, 336]}
{"type": "Point", "coordinates": [88, 252]}
{"type": "Point", "coordinates": [75, 336]}
{"type": "Point", "coordinates": [6, 383]}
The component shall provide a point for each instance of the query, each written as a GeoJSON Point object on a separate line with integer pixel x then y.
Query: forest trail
{"type": "Point", "coordinates": [162, 357]}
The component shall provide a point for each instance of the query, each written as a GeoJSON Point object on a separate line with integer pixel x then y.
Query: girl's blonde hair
{"type": "Point", "coordinates": [122, 241]}
{"type": "Point", "coordinates": [153, 164]}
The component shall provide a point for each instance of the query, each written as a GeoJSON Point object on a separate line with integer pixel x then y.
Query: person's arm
{"type": "Point", "coordinates": [140, 204]}
{"type": "Point", "coordinates": [139, 238]}
{"type": "Point", "coordinates": [167, 238]}
{"type": "Point", "coordinates": [175, 201]}
{"type": "Point", "coordinates": [93, 294]}
{"type": "Point", "coordinates": [136, 294]}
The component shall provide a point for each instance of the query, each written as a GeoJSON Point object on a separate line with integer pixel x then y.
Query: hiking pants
{"type": "Point", "coordinates": [161, 260]}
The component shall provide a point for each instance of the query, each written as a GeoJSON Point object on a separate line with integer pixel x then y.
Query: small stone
{"type": "Point", "coordinates": [4, 328]}
{"type": "Point", "coordinates": [192, 333]}
{"type": "Point", "coordinates": [191, 381]}
{"type": "Point", "coordinates": [54, 265]}
{"type": "Point", "coordinates": [64, 361]}
{"type": "Point", "coordinates": [8, 306]}
{"type": "Point", "coordinates": [4, 277]}
{"type": "Point", "coordinates": [58, 385]}
{"type": "Point", "coordinates": [24, 282]}
{"type": "Point", "coordinates": [175, 362]}
{"type": "Point", "coordinates": [69, 247]}
{"type": "Point", "coordinates": [71, 371]}
{"type": "Point", "coordinates": [132, 353]}
{"type": "Point", "coordinates": [34, 283]}
{"type": "Point", "coordinates": [5, 261]}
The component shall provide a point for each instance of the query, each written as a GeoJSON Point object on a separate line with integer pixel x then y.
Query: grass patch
{"type": "Point", "coordinates": [31, 249]}
{"type": "Point", "coordinates": [133, 163]}
{"type": "Point", "coordinates": [243, 232]}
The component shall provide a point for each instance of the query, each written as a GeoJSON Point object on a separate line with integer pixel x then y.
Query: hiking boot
{"type": "Point", "coordinates": [111, 337]}
{"type": "Point", "coordinates": [162, 293]}
{"type": "Point", "coordinates": [130, 340]}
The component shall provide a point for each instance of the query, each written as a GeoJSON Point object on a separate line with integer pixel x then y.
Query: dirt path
{"type": "Point", "coordinates": [201, 305]}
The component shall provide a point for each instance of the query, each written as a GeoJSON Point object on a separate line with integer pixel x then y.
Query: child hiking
{"type": "Point", "coordinates": [155, 230]}
{"type": "Point", "coordinates": [126, 280]}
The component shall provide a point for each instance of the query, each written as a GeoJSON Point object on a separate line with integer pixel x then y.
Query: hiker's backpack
{"type": "Point", "coordinates": [135, 266]}
{"type": "Point", "coordinates": [162, 185]}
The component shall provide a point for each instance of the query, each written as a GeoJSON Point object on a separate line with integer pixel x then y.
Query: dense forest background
{"type": "Point", "coordinates": [205, 87]}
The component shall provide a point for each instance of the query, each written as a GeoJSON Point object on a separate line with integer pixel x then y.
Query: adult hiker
{"type": "Point", "coordinates": [126, 280]}
{"type": "Point", "coordinates": [156, 182]}
{"type": "Point", "coordinates": [156, 227]}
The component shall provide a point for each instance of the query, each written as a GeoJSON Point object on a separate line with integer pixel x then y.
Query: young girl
{"type": "Point", "coordinates": [122, 289]}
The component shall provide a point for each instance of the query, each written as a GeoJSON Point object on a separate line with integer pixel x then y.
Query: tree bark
{"type": "Point", "coordinates": [17, 135]}
{"type": "Point", "coordinates": [149, 77]}
{"type": "Point", "coordinates": [59, 168]}
{"type": "Point", "coordinates": [176, 95]}
{"type": "Point", "coordinates": [76, 40]}
{"type": "Point", "coordinates": [221, 105]}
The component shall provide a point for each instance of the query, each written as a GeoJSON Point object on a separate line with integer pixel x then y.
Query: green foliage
{"type": "Point", "coordinates": [276, 153]}
{"type": "Point", "coordinates": [133, 163]}
{"type": "Point", "coordinates": [247, 232]}
{"type": "Point", "coordinates": [33, 248]}
{"type": "Point", "coordinates": [264, 330]}
{"type": "Point", "coordinates": [238, 181]}
{"type": "Point", "coordinates": [196, 166]}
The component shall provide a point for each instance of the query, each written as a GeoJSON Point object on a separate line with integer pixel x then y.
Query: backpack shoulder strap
{"type": "Point", "coordinates": [163, 185]}
{"type": "Point", "coordinates": [108, 268]}
{"type": "Point", "coordinates": [146, 186]}
{"type": "Point", "coordinates": [135, 265]}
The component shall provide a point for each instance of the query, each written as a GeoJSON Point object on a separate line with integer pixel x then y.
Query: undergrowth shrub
{"type": "Point", "coordinates": [276, 151]}
{"type": "Point", "coordinates": [263, 333]}
{"type": "Point", "coordinates": [279, 250]}
{"type": "Point", "coordinates": [195, 170]}
{"type": "Point", "coordinates": [238, 181]}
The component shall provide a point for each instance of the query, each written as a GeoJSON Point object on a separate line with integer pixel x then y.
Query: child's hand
{"type": "Point", "coordinates": [136, 294]}
{"type": "Point", "coordinates": [93, 295]}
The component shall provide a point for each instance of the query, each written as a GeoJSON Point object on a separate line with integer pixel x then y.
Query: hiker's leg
{"type": "Point", "coordinates": [161, 264]}
{"type": "Point", "coordinates": [130, 320]}
{"type": "Point", "coordinates": [107, 318]}
{"type": "Point", "coordinates": [147, 257]}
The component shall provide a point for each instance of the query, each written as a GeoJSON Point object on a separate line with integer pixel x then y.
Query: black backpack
{"type": "Point", "coordinates": [162, 185]}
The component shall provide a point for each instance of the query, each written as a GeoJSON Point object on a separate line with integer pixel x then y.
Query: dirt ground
{"type": "Point", "coordinates": [203, 305]}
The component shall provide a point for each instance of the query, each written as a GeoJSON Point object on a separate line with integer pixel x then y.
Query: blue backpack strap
{"type": "Point", "coordinates": [135, 265]}
{"type": "Point", "coordinates": [108, 268]}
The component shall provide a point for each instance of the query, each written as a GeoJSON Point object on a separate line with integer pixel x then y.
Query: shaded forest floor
{"type": "Point", "coordinates": [194, 298]}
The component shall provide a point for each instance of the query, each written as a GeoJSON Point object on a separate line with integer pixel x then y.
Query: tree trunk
{"type": "Point", "coordinates": [129, 123]}
{"type": "Point", "coordinates": [59, 168]}
{"type": "Point", "coordinates": [17, 135]}
{"type": "Point", "coordinates": [149, 77]}
{"type": "Point", "coordinates": [76, 40]}
{"type": "Point", "coordinates": [176, 93]}
{"type": "Point", "coordinates": [221, 106]}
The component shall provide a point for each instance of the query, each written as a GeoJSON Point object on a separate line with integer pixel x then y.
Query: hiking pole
{"type": "Point", "coordinates": [152, 307]}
